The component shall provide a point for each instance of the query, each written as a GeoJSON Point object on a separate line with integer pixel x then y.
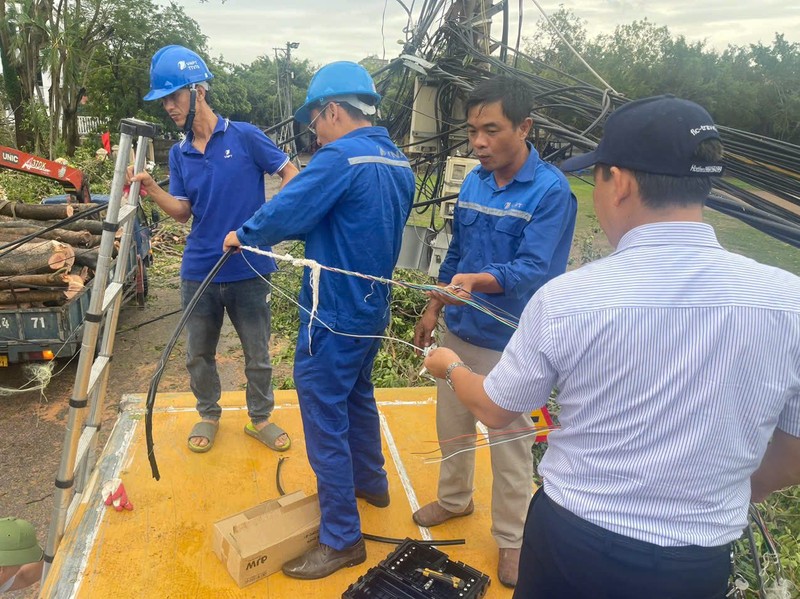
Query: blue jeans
{"type": "Point", "coordinates": [247, 305]}
{"type": "Point", "coordinates": [342, 427]}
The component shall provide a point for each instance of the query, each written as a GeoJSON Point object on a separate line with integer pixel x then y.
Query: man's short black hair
{"type": "Point", "coordinates": [513, 95]}
{"type": "Point", "coordinates": [663, 191]}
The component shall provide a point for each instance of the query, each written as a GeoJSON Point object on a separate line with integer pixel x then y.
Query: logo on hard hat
{"type": "Point", "coordinates": [191, 65]}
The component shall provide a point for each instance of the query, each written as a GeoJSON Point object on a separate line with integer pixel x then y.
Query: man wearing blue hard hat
{"type": "Point", "coordinates": [678, 370]}
{"type": "Point", "coordinates": [217, 179]}
{"type": "Point", "coordinates": [350, 205]}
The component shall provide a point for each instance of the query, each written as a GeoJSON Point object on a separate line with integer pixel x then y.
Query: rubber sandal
{"type": "Point", "coordinates": [207, 430]}
{"type": "Point", "coordinates": [268, 435]}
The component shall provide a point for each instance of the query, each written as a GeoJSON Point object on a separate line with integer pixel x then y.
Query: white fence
{"type": "Point", "coordinates": [89, 124]}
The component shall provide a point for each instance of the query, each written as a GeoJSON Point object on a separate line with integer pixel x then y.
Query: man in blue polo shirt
{"type": "Point", "coordinates": [349, 205]}
{"type": "Point", "coordinates": [512, 232]}
{"type": "Point", "coordinates": [217, 179]}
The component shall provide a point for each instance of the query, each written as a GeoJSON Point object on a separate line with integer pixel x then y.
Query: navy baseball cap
{"type": "Point", "coordinates": [657, 135]}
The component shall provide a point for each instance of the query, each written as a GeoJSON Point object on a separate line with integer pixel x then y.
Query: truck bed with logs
{"type": "Point", "coordinates": [46, 282]}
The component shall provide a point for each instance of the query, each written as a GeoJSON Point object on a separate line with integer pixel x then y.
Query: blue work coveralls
{"type": "Point", "coordinates": [350, 205]}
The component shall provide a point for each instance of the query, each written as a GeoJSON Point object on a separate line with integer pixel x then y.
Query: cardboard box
{"type": "Point", "coordinates": [257, 542]}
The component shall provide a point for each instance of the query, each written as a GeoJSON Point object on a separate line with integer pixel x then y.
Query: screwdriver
{"type": "Point", "coordinates": [455, 581]}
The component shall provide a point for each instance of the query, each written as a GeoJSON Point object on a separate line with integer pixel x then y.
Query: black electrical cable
{"type": "Point", "coordinates": [146, 322]}
{"type": "Point", "coordinates": [451, 196]}
{"type": "Point", "coordinates": [396, 541]}
{"type": "Point", "coordinates": [754, 553]}
{"type": "Point", "coordinates": [162, 362]}
{"type": "Point", "coordinates": [278, 484]}
{"type": "Point", "coordinates": [367, 536]}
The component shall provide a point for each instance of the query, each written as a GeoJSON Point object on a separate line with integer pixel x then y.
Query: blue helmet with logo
{"type": "Point", "coordinates": [174, 67]}
{"type": "Point", "coordinates": [334, 80]}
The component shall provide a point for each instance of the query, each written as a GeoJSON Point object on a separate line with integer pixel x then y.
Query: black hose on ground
{"type": "Point", "coordinates": [162, 362]}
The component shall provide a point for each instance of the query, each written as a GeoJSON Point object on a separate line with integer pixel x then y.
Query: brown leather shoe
{"type": "Point", "coordinates": [508, 567]}
{"type": "Point", "coordinates": [376, 500]}
{"type": "Point", "coordinates": [434, 514]}
{"type": "Point", "coordinates": [324, 560]}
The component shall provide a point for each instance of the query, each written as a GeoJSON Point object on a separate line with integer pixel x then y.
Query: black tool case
{"type": "Point", "coordinates": [396, 577]}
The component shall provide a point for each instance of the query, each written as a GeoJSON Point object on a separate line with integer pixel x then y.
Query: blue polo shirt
{"type": "Point", "coordinates": [225, 186]}
{"type": "Point", "coordinates": [520, 233]}
{"type": "Point", "coordinates": [350, 204]}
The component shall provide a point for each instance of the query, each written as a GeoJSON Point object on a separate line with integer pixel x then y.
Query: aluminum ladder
{"type": "Point", "coordinates": [79, 454]}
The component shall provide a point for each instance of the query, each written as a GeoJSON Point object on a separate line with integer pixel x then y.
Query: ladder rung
{"type": "Point", "coordinates": [125, 214]}
{"type": "Point", "coordinates": [99, 366]}
{"type": "Point", "coordinates": [84, 443]}
{"type": "Point", "coordinates": [112, 291]}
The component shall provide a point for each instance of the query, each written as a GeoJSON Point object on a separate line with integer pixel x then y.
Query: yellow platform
{"type": "Point", "coordinates": [163, 548]}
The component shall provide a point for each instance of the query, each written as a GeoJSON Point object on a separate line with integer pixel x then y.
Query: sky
{"type": "Point", "coordinates": [328, 30]}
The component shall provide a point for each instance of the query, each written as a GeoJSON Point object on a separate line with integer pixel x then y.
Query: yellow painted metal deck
{"type": "Point", "coordinates": [162, 549]}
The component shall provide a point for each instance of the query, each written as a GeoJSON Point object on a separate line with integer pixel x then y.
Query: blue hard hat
{"type": "Point", "coordinates": [337, 79]}
{"type": "Point", "coordinates": [174, 67]}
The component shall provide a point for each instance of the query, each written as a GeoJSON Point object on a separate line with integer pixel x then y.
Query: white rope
{"type": "Point", "coordinates": [37, 373]}
{"type": "Point", "coordinates": [311, 313]}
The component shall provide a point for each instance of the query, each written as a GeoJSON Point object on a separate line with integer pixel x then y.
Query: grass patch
{"type": "Point", "coordinates": [741, 238]}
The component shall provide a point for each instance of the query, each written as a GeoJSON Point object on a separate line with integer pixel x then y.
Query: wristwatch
{"type": "Point", "coordinates": [450, 370]}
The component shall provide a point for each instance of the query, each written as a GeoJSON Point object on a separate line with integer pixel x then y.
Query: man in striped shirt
{"type": "Point", "coordinates": [678, 369]}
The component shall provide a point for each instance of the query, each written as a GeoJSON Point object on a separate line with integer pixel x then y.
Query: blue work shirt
{"type": "Point", "coordinates": [225, 186]}
{"type": "Point", "coordinates": [520, 233]}
{"type": "Point", "coordinates": [350, 204]}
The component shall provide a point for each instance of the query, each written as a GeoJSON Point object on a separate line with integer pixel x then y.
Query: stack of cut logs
{"type": "Point", "coordinates": [52, 267]}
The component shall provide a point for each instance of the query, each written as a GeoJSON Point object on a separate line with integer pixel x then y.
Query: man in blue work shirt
{"type": "Point", "coordinates": [349, 205]}
{"type": "Point", "coordinates": [512, 231]}
{"type": "Point", "coordinates": [217, 179]}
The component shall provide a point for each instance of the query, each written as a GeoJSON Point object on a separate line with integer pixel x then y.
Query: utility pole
{"type": "Point", "coordinates": [284, 82]}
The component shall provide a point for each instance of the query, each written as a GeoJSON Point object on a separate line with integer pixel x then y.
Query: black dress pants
{"type": "Point", "coordinates": [564, 556]}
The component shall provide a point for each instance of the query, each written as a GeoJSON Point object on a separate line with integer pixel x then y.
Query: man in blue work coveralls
{"type": "Point", "coordinates": [349, 205]}
{"type": "Point", "coordinates": [512, 231]}
{"type": "Point", "coordinates": [217, 179]}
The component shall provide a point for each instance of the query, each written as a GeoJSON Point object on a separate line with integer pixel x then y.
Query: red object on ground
{"type": "Point", "coordinates": [119, 499]}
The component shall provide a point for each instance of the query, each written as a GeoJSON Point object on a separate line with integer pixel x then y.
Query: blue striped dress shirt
{"type": "Point", "coordinates": [675, 361]}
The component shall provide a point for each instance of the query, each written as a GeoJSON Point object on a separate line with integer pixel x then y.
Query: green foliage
{"type": "Point", "coordinates": [119, 77]}
{"type": "Point", "coordinates": [780, 513]}
{"type": "Point", "coordinates": [23, 187]}
{"type": "Point", "coordinates": [396, 364]}
{"type": "Point", "coordinates": [752, 88]}
{"type": "Point", "coordinates": [258, 84]}
{"type": "Point", "coordinates": [587, 243]}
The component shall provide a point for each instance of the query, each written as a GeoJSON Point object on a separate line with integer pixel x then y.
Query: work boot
{"type": "Point", "coordinates": [376, 500]}
{"type": "Point", "coordinates": [434, 514]}
{"type": "Point", "coordinates": [324, 560]}
{"type": "Point", "coordinates": [508, 566]}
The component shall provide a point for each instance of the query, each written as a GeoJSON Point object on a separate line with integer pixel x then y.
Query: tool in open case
{"type": "Point", "coordinates": [446, 578]}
